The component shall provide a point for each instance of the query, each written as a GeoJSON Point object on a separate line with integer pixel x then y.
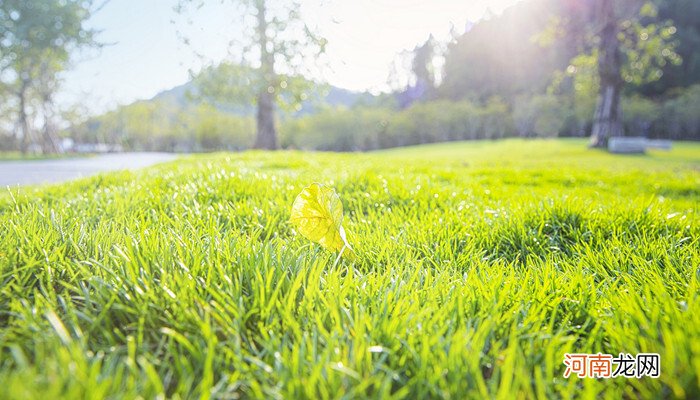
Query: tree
{"type": "Point", "coordinates": [632, 49]}
{"type": "Point", "coordinates": [685, 15]}
{"type": "Point", "coordinates": [280, 41]}
{"type": "Point", "coordinates": [607, 120]}
{"type": "Point", "coordinates": [37, 38]}
{"type": "Point", "coordinates": [422, 66]}
{"type": "Point", "coordinates": [620, 45]}
{"type": "Point", "coordinates": [489, 60]}
{"type": "Point", "coordinates": [423, 86]}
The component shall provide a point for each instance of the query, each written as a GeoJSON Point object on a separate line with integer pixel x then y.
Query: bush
{"type": "Point", "coordinates": [165, 127]}
{"type": "Point", "coordinates": [214, 130]}
{"type": "Point", "coordinates": [541, 115]}
{"type": "Point", "coordinates": [156, 126]}
{"type": "Point", "coordinates": [338, 129]}
{"type": "Point", "coordinates": [681, 116]}
{"type": "Point", "coordinates": [375, 128]}
{"type": "Point", "coordinates": [640, 116]}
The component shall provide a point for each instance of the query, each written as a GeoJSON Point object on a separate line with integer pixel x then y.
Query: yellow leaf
{"type": "Point", "coordinates": [317, 213]}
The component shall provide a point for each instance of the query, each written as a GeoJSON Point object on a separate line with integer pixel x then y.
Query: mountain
{"type": "Point", "coordinates": [184, 96]}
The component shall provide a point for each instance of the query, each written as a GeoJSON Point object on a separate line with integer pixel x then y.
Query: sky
{"type": "Point", "coordinates": [144, 53]}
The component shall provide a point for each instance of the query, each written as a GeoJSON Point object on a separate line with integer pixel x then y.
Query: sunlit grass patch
{"type": "Point", "coordinates": [478, 266]}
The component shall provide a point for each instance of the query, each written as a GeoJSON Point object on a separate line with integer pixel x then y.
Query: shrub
{"type": "Point", "coordinates": [640, 115]}
{"type": "Point", "coordinates": [339, 129]}
{"type": "Point", "coordinates": [166, 127]}
{"type": "Point", "coordinates": [365, 128]}
{"type": "Point", "coordinates": [680, 115]}
{"type": "Point", "coordinates": [541, 115]}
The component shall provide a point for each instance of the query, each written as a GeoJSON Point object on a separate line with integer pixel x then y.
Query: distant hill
{"type": "Point", "coordinates": [183, 96]}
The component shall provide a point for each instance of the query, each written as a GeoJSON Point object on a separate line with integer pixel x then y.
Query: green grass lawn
{"type": "Point", "coordinates": [478, 266]}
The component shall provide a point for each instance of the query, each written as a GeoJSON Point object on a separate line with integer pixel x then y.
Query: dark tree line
{"type": "Point", "coordinates": [614, 48]}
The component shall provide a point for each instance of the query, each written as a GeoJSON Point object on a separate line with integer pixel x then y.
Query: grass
{"type": "Point", "coordinates": [479, 265]}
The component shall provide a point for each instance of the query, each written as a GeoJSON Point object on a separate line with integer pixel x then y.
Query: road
{"type": "Point", "coordinates": [32, 172]}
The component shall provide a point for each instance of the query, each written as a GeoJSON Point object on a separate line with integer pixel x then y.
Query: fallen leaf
{"type": "Point", "coordinates": [317, 213]}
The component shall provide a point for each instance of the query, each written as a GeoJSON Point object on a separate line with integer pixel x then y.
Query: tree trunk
{"type": "Point", "coordinates": [50, 142]}
{"type": "Point", "coordinates": [23, 118]}
{"type": "Point", "coordinates": [607, 120]}
{"type": "Point", "coordinates": [266, 137]}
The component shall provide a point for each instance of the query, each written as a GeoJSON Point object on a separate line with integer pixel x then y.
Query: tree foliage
{"type": "Point", "coordinates": [581, 49]}
{"type": "Point", "coordinates": [277, 41]}
{"type": "Point", "coordinates": [503, 56]}
{"type": "Point", "coordinates": [530, 47]}
{"type": "Point", "coordinates": [37, 38]}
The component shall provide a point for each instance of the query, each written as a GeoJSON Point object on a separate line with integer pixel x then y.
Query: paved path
{"type": "Point", "coordinates": [32, 172]}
